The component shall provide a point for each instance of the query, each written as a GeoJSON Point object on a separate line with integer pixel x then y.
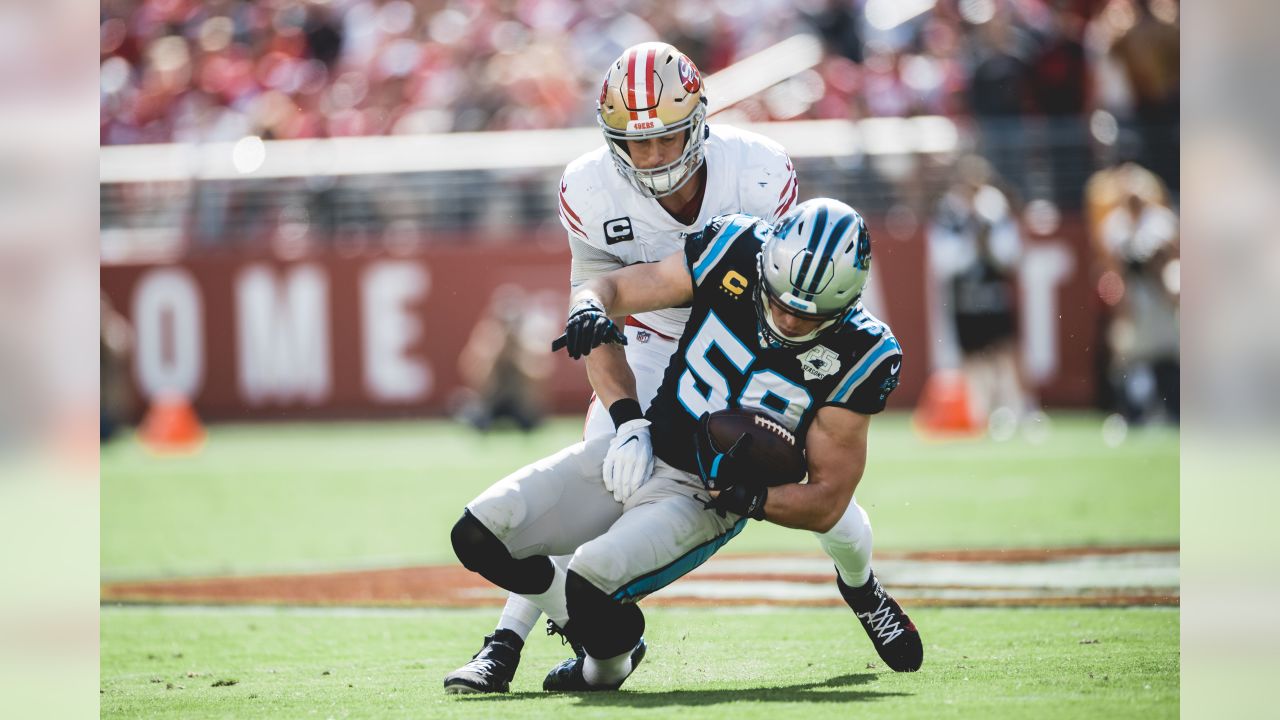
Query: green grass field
{"type": "Point", "coordinates": [714, 664]}
{"type": "Point", "coordinates": [297, 497]}
{"type": "Point", "coordinates": [282, 497]}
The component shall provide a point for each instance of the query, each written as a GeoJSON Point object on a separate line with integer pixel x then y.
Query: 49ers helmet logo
{"type": "Point", "coordinates": [689, 75]}
{"type": "Point", "coordinates": [604, 90]}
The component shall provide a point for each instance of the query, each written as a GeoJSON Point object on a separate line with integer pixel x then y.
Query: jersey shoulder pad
{"type": "Point", "coordinates": [876, 363]}
{"type": "Point", "coordinates": [768, 178]}
{"type": "Point", "coordinates": [725, 238]}
{"type": "Point", "coordinates": [584, 200]}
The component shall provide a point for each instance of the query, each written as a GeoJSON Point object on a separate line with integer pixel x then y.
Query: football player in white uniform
{"type": "Point", "coordinates": [662, 174]}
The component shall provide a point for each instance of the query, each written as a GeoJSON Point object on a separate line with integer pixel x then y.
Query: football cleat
{"type": "Point", "coordinates": [490, 670]}
{"type": "Point", "coordinates": [891, 631]}
{"type": "Point", "coordinates": [554, 629]}
{"type": "Point", "coordinates": [568, 677]}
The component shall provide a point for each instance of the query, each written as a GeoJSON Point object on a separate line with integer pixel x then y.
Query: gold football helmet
{"type": "Point", "coordinates": [650, 91]}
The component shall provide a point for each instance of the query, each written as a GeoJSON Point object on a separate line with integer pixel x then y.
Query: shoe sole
{"type": "Point", "coordinates": [460, 688]}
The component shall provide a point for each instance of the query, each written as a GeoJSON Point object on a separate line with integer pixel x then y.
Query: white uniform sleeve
{"type": "Point", "coordinates": [589, 261]}
{"type": "Point", "coordinates": [769, 184]}
{"type": "Point", "coordinates": [581, 204]}
{"type": "Point", "coordinates": [570, 218]}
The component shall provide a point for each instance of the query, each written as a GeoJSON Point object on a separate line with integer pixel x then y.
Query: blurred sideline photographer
{"type": "Point", "coordinates": [1140, 239]}
{"type": "Point", "coordinates": [974, 247]}
{"type": "Point", "coordinates": [505, 365]}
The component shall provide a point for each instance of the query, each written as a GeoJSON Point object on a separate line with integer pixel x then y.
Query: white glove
{"type": "Point", "coordinates": [629, 461]}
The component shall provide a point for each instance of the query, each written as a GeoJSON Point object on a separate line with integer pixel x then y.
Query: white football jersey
{"type": "Point", "coordinates": [614, 226]}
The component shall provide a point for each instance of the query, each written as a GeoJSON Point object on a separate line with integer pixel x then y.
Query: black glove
{"type": "Point", "coordinates": [721, 470]}
{"type": "Point", "coordinates": [587, 328]}
{"type": "Point", "coordinates": [745, 499]}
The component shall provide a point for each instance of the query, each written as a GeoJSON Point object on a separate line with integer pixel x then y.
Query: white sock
{"type": "Point", "coordinates": [608, 670]}
{"type": "Point", "coordinates": [849, 545]}
{"type": "Point", "coordinates": [519, 616]}
{"type": "Point", "coordinates": [552, 602]}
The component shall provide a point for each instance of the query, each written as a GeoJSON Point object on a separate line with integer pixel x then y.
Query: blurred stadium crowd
{"type": "Point", "coordinates": [1064, 108]}
{"type": "Point", "coordinates": [182, 70]}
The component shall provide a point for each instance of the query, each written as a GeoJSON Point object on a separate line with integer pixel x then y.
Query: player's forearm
{"type": "Point", "coordinates": [610, 375]}
{"type": "Point", "coordinates": [601, 289]}
{"type": "Point", "coordinates": [805, 507]}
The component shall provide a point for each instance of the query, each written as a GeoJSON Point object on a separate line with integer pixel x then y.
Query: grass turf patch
{"type": "Point", "coordinates": [297, 497]}
{"type": "Point", "coordinates": [751, 663]}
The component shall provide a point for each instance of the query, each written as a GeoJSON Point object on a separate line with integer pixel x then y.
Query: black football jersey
{"type": "Point", "coordinates": [720, 362]}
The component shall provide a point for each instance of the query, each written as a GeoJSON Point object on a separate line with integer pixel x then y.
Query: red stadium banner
{"type": "Point", "coordinates": [378, 334]}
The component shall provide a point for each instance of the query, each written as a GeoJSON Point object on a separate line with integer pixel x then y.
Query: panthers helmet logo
{"type": "Point", "coordinates": [689, 77]}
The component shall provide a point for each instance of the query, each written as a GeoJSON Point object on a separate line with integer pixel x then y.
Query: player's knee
{"type": "Point", "coordinates": [605, 627]}
{"type": "Point", "coordinates": [480, 551]}
{"type": "Point", "coordinates": [475, 545]}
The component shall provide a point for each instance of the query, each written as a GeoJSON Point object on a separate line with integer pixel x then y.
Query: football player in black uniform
{"type": "Point", "coordinates": [776, 327]}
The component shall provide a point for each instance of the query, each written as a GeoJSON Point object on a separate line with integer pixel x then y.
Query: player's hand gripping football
{"type": "Point", "coordinates": [746, 499]}
{"type": "Point", "coordinates": [629, 461]}
{"type": "Point", "coordinates": [720, 470]}
{"type": "Point", "coordinates": [588, 327]}
{"type": "Point", "coordinates": [728, 476]}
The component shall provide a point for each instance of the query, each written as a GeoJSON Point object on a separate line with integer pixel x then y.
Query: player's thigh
{"type": "Point", "coordinates": [652, 545]}
{"type": "Point", "coordinates": [551, 506]}
{"type": "Point", "coordinates": [598, 422]}
{"type": "Point", "coordinates": [648, 360]}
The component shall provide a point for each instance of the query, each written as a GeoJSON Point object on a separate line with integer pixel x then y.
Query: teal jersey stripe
{"type": "Point", "coordinates": [860, 371]}
{"type": "Point", "coordinates": [681, 566]}
{"type": "Point", "coordinates": [718, 249]}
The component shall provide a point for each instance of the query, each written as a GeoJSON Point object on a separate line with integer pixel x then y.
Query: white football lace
{"type": "Point", "coordinates": [883, 622]}
{"type": "Point", "coordinates": [775, 428]}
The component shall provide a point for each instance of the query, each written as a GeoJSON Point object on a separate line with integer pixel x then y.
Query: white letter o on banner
{"type": "Point", "coordinates": [168, 319]}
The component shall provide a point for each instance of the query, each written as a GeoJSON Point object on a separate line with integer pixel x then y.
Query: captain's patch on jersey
{"type": "Point", "coordinates": [618, 230]}
{"type": "Point", "coordinates": [818, 362]}
{"type": "Point", "coordinates": [734, 283]}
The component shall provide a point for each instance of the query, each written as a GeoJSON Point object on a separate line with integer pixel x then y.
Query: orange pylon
{"type": "Point", "coordinates": [171, 426]}
{"type": "Point", "coordinates": [946, 407]}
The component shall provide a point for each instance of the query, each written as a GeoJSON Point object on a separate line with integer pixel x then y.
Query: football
{"type": "Point", "coordinates": [773, 447]}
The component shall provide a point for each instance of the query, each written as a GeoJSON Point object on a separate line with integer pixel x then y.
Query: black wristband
{"type": "Point", "coordinates": [624, 411]}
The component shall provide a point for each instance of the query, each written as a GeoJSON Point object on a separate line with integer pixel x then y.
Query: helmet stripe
{"type": "Point", "coordinates": [631, 83]}
{"type": "Point", "coordinates": [640, 82]}
{"type": "Point", "coordinates": [816, 227]}
{"type": "Point", "coordinates": [833, 242]}
{"type": "Point", "coordinates": [648, 81]}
